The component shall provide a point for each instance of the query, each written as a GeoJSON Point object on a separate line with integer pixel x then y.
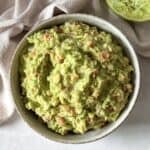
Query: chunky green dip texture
{"type": "Point", "coordinates": [138, 10]}
{"type": "Point", "coordinates": [75, 77]}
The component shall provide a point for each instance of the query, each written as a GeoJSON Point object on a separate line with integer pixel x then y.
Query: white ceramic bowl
{"type": "Point", "coordinates": [93, 135]}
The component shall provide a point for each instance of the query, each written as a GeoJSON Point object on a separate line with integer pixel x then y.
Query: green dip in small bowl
{"type": "Point", "coordinates": [133, 10]}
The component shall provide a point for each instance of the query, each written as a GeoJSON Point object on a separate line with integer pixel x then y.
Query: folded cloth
{"type": "Point", "coordinates": [18, 16]}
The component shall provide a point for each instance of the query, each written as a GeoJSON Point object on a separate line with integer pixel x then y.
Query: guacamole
{"type": "Point", "coordinates": [75, 77]}
{"type": "Point", "coordinates": [135, 10]}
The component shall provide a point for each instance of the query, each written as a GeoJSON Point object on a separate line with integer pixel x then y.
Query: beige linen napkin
{"type": "Point", "coordinates": [18, 16]}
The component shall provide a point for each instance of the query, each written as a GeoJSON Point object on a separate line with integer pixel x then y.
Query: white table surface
{"type": "Point", "coordinates": [134, 133]}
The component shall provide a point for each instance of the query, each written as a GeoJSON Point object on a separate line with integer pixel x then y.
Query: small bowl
{"type": "Point", "coordinates": [119, 13]}
{"type": "Point", "coordinates": [33, 121]}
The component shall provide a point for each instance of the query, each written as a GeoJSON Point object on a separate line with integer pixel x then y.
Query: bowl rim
{"type": "Point", "coordinates": [130, 50]}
